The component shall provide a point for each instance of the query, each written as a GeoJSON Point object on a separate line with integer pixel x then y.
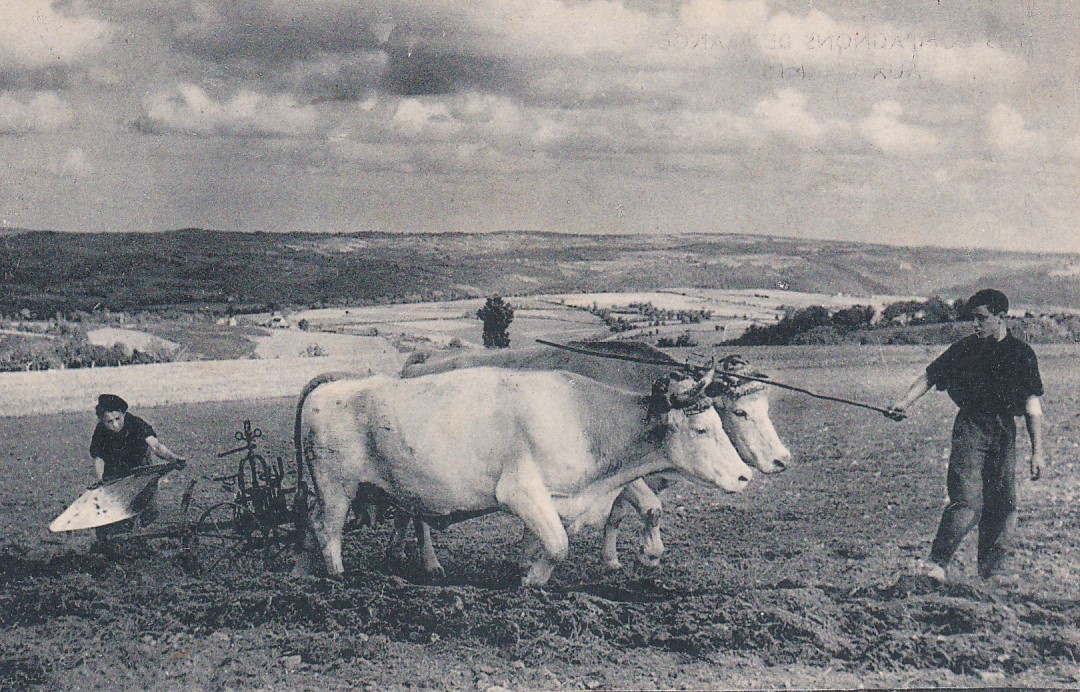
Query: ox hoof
{"type": "Point", "coordinates": [537, 576]}
{"type": "Point", "coordinates": [435, 576]}
{"type": "Point", "coordinates": [649, 561]}
{"type": "Point", "coordinates": [613, 565]}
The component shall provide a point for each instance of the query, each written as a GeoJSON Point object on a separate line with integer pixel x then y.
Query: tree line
{"type": "Point", "coordinates": [901, 322]}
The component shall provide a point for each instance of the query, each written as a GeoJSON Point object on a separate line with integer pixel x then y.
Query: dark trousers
{"type": "Point", "coordinates": [982, 489]}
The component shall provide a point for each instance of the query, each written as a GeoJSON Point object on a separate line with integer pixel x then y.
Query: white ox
{"type": "Point", "coordinates": [553, 448]}
{"type": "Point", "coordinates": [743, 407]}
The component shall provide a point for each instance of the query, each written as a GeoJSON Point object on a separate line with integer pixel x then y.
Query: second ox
{"type": "Point", "coordinates": [743, 406]}
{"type": "Point", "coordinates": [553, 448]}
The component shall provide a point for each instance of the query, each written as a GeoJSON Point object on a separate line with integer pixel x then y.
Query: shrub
{"type": "Point", "coordinates": [825, 335]}
{"type": "Point", "coordinates": [684, 340]}
{"type": "Point", "coordinates": [497, 316]}
{"type": "Point", "coordinates": [855, 317]}
{"type": "Point", "coordinates": [417, 357]}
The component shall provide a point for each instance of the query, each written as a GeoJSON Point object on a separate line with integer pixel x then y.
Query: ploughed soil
{"type": "Point", "coordinates": [806, 580]}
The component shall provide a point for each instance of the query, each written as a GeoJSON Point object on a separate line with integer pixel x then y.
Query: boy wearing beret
{"type": "Point", "coordinates": [122, 442]}
{"type": "Point", "coordinates": [992, 377]}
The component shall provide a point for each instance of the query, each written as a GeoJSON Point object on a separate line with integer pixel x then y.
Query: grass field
{"type": "Point", "coordinates": [803, 581]}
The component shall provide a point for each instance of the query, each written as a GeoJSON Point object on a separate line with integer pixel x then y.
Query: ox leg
{"type": "Point", "coordinates": [610, 550]}
{"type": "Point", "coordinates": [429, 561]}
{"type": "Point", "coordinates": [645, 501]}
{"type": "Point", "coordinates": [522, 491]}
{"type": "Point", "coordinates": [395, 552]}
{"type": "Point", "coordinates": [334, 526]}
{"type": "Point", "coordinates": [531, 550]}
{"type": "Point", "coordinates": [327, 523]}
{"type": "Point", "coordinates": [327, 526]}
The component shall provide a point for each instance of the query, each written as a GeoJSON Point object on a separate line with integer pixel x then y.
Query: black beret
{"type": "Point", "coordinates": [994, 300]}
{"type": "Point", "coordinates": [111, 402]}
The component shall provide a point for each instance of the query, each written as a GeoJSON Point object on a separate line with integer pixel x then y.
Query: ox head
{"type": "Point", "coordinates": [693, 437]}
{"type": "Point", "coordinates": [743, 406]}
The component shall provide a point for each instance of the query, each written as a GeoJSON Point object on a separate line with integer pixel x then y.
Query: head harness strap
{"type": "Point", "coordinates": [728, 385]}
{"type": "Point", "coordinates": [678, 390]}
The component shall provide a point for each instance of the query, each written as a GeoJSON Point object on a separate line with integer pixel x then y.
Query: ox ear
{"type": "Point", "coordinates": [682, 392]}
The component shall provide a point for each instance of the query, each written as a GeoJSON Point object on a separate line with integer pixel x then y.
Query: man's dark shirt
{"type": "Point", "coordinates": [983, 375]}
{"type": "Point", "coordinates": [124, 450]}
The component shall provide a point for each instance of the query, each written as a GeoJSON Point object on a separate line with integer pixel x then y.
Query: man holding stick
{"type": "Point", "coordinates": [992, 377]}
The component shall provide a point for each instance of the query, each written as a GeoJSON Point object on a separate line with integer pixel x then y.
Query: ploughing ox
{"type": "Point", "coordinates": [743, 406]}
{"type": "Point", "coordinates": [554, 448]}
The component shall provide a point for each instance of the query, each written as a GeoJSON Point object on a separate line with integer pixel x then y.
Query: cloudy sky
{"type": "Point", "coordinates": [924, 122]}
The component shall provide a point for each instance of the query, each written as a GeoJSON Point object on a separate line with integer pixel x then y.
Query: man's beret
{"type": "Point", "coordinates": [111, 402]}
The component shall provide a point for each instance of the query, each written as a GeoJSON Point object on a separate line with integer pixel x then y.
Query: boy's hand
{"type": "Point", "coordinates": [895, 413]}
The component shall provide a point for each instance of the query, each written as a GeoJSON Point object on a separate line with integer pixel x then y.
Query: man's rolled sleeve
{"type": "Point", "coordinates": [1028, 376]}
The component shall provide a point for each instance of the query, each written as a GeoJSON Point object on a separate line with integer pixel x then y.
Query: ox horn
{"type": "Point", "coordinates": [680, 394]}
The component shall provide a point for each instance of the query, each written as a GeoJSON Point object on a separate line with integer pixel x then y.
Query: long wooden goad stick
{"type": "Point", "coordinates": [656, 361]}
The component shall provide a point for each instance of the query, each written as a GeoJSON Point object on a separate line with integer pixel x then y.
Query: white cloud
{"type": "Point", "coordinates": [542, 27]}
{"type": "Point", "coordinates": [1009, 135]}
{"type": "Point", "coordinates": [42, 111]}
{"type": "Point", "coordinates": [75, 163]}
{"type": "Point", "coordinates": [471, 130]}
{"type": "Point", "coordinates": [707, 131]}
{"type": "Point", "coordinates": [885, 130]}
{"type": "Point", "coordinates": [34, 34]}
{"type": "Point", "coordinates": [785, 112]}
{"type": "Point", "coordinates": [425, 118]}
{"type": "Point", "coordinates": [976, 61]}
{"type": "Point", "coordinates": [191, 110]}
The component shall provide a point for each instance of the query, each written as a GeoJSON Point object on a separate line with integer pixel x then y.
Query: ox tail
{"type": "Point", "coordinates": [298, 436]}
{"type": "Point", "coordinates": [306, 495]}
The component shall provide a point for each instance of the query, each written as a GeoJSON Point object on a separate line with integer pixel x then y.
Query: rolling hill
{"type": "Point", "coordinates": [194, 269]}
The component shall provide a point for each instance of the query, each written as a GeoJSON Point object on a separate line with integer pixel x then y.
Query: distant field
{"type": "Point", "coordinates": [434, 325]}
{"type": "Point", "coordinates": [719, 315]}
{"type": "Point", "coordinates": [55, 391]}
{"type": "Point", "coordinates": [554, 315]}
{"type": "Point", "coordinates": [752, 303]}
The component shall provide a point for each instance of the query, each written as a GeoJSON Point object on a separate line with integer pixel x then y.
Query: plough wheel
{"type": "Point", "coordinates": [228, 539]}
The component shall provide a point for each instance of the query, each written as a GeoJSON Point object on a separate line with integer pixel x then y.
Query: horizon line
{"type": "Point", "coordinates": [9, 231]}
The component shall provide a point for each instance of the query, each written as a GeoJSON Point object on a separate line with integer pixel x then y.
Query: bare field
{"type": "Point", "coordinates": [803, 581]}
{"type": "Point", "coordinates": [434, 325]}
{"type": "Point", "coordinates": [55, 391]}
{"type": "Point", "coordinates": [747, 303]}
